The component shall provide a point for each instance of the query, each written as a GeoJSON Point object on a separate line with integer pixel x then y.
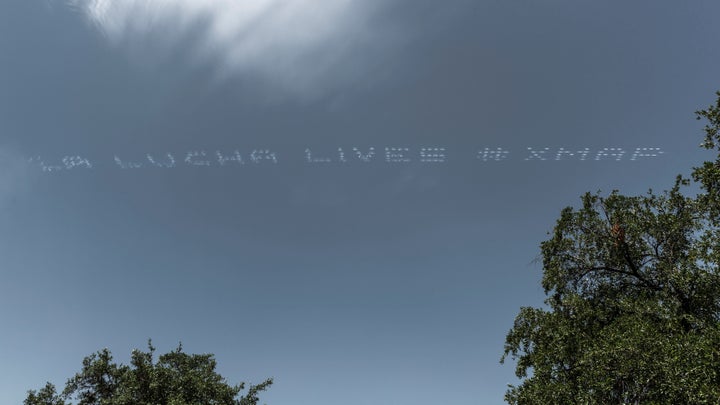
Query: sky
{"type": "Point", "coordinates": [348, 196]}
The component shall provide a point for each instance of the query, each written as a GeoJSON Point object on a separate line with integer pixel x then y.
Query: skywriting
{"type": "Point", "coordinates": [340, 155]}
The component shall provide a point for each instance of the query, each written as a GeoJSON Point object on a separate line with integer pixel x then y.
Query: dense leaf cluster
{"type": "Point", "coordinates": [633, 299]}
{"type": "Point", "coordinates": [177, 378]}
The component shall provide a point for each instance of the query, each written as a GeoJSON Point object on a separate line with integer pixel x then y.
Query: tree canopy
{"type": "Point", "coordinates": [176, 378]}
{"type": "Point", "coordinates": [633, 298]}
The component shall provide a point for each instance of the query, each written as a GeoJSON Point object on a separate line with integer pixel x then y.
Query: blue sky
{"type": "Point", "coordinates": [388, 281]}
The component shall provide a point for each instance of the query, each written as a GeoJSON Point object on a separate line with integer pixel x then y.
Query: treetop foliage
{"type": "Point", "coordinates": [633, 298]}
{"type": "Point", "coordinates": [177, 378]}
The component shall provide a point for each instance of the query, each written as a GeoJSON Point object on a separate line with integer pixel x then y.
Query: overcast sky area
{"type": "Point", "coordinates": [345, 195]}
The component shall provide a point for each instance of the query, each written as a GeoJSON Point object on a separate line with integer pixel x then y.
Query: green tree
{"type": "Point", "coordinates": [177, 378]}
{"type": "Point", "coordinates": [633, 299]}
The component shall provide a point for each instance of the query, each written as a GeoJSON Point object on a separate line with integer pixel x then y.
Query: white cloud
{"type": "Point", "coordinates": [295, 45]}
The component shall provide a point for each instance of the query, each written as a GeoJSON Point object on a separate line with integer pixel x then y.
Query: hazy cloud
{"type": "Point", "coordinates": [296, 45]}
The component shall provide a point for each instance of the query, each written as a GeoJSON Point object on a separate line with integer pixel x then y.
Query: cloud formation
{"type": "Point", "coordinates": [293, 44]}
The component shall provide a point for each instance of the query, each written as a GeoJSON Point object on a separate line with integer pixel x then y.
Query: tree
{"type": "Point", "coordinates": [633, 299]}
{"type": "Point", "coordinates": [176, 378]}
